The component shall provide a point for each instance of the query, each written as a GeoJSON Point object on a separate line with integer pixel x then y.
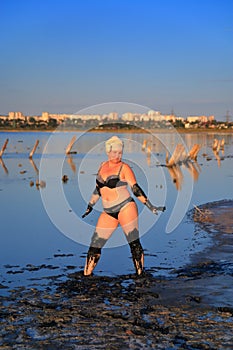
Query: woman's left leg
{"type": "Point", "coordinates": [128, 219]}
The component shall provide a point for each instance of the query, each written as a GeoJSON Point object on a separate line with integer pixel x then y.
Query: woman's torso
{"type": "Point", "coordinates": [112, 184]}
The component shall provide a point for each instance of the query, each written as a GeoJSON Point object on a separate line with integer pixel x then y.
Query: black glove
{"type": "Point", "coordinates": [88, 210]}
{"type": "Point", "coordinates": [153, 208]}
{"type": "Point", "coordinates": [161, 208]}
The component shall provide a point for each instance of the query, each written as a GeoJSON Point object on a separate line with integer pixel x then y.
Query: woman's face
{"type": "Point", "coordinates": [115, 155]}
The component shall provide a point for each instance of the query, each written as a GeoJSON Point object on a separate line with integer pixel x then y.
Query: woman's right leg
{"type": "Point", "coordinates": [106, 225]}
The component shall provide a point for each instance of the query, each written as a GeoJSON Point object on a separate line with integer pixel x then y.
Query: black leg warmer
{"type": "Point", "coordinates": [94, 252]}
{"type": "Point", "coordinates": [136, 250]}
{"type": "Point", "coordinates": [95, 247]}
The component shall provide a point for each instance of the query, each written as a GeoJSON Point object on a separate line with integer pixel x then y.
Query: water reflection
{"type": "Point", "coordinates": [4, 166]}
{"type": "Point", "coordinates": [177, 176]}
{"type": "Point", "coordinates": [71, 163]}
{"type": "Point", "coordinates": [194, 169]}
{"type": "Point", "coordinates": [34, 166]}
{"type": "Point", "coordinates": [217, 158]}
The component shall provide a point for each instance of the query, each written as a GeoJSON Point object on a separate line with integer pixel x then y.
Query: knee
{"type": "Point", "coordinates": [97, 242]}
{"type": "Point", "coordinates": [132, 236]}
{"type": "Point", "coordinates": [96, 245]}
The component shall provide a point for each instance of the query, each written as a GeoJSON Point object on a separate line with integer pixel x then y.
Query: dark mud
{"type": "Point", "coordinates": [193, 309]}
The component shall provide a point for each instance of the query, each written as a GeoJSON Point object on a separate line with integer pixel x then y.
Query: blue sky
{"type": "Point", "coordinates": [64, 55]}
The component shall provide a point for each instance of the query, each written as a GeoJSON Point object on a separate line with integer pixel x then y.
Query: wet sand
{"type": "Point", "coordinates": [193, 309]}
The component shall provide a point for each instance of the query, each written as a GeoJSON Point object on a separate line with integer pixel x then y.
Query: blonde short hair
{"type": "Point", "coordinates": [113, 142]}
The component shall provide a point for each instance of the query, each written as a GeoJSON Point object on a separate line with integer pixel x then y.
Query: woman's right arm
{"type": "Point", "coordinates": [93, 200]}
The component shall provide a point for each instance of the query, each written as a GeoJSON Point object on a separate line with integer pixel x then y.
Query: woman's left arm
{"type": "Point", "coordinates": [137, 190]}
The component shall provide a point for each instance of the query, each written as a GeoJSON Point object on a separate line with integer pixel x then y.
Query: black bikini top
{"type": "Point", "coordinates": [112, 181]}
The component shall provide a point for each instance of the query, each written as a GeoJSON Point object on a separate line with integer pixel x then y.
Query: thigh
{"type": "Point", "coordinates": [105, 226]}
{"type": "Point", "coordinates": [128, 217]}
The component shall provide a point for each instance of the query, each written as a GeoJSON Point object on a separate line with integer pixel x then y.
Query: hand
{"type": "Point", "coordinates": [88, 210]}
{"type": "Point", "coordinates": [161, 208]}
{"type": "Point", "coordinates": [153, 208]}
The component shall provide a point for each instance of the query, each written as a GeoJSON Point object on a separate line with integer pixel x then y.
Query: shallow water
{"type": "Point", "coordinates": [42, 233]}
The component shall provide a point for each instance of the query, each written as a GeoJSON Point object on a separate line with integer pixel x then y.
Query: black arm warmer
{"type": "Point", "coordinates": [138, 192]}
{"type": "Point", "coordinates": [97, 191]}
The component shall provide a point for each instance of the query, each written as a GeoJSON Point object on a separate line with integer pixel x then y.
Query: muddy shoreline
{"type": "Point", "coordinates": [192, 309]}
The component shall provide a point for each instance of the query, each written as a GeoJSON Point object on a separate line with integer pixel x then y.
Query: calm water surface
{"type": "Point", "coordinates": [42, 233]}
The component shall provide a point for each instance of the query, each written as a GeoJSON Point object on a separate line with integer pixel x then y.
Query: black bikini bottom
{"type": "Point", "coordinates": [115, 210]}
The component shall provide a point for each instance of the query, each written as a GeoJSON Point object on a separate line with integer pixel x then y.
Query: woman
{"type": "Point", "coordinates": [119, 207]}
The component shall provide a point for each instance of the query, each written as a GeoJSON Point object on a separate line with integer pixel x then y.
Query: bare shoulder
{"type": "Point", "coordinates": [128, 173]}
{"type": "Point", "coordinates": [126, 167]}
{"type": "Point", "coordinates": [102, 165]}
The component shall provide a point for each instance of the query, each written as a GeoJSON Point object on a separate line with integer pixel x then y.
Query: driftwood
{"type": "Point", "coordinates": [218, 144]}
{"type": "Point", "coordinates": [180, 156]}
{"type": "Point", "coordinates": [65, 178]}
{"type": "Point", "coordinates": [40, 184]}
{"type": "Point", "coordinates": [3, 147]}
{"type": "Point", "coordinates": [202, 215]}
{"type": "Point", "coordinates": [144, 145]}
{"type": "Point", "coordinates": [194, 151]}
{"type": "Point", "coordinates": [70, 145]}
{"type": "Point", "coordinates": [215, 145]}
{"type": "Point", "coordinates": [34, 149]}
{"type": "Point", "coordinates": [177, 156]}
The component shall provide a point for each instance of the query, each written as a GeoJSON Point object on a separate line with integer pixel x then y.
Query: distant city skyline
{"type": "Point", "coordinates": [146, 115]}
{"type": "Point", "coordinates": [66, 56]}
{"type": "Point", "coordinates": [226, 117]}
